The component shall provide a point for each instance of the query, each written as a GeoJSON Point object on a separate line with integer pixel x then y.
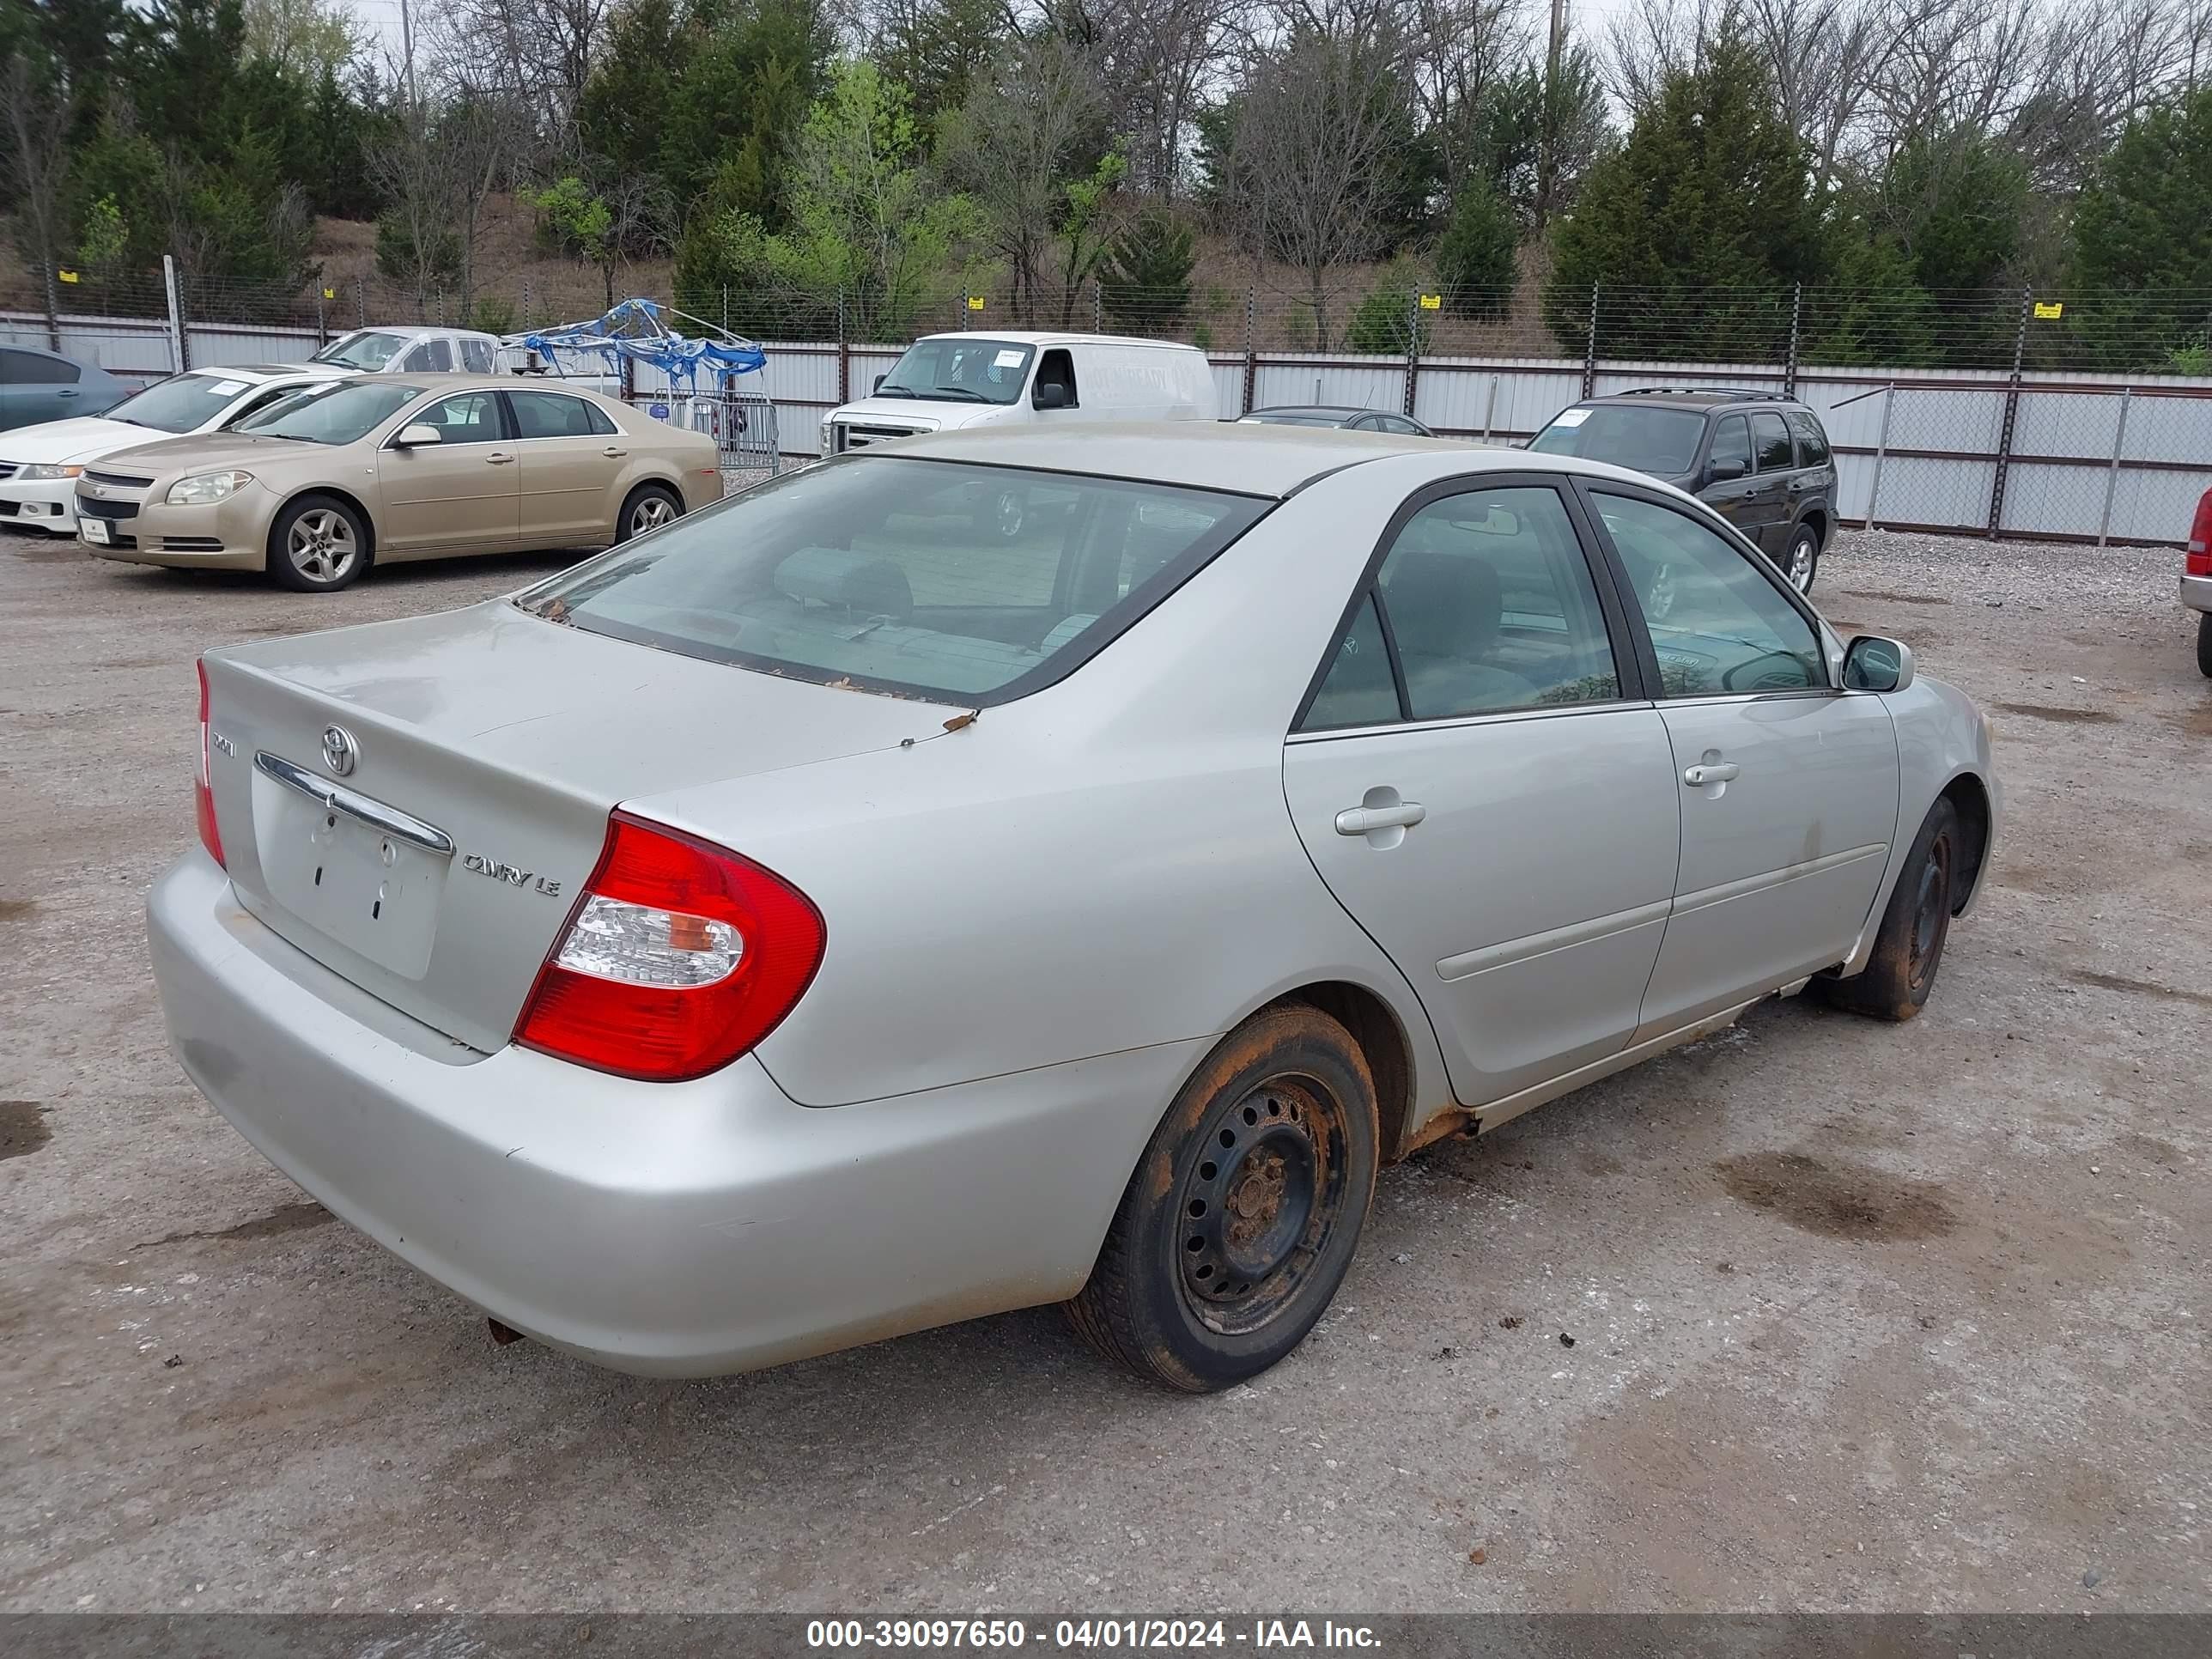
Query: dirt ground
{"type": "Point", "coordinates": [1862, 1317]}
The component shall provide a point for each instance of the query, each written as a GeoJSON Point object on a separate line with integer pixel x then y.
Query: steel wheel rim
{"type": "Point", "coordinates": [650, 513]}
{"type": "Point", "coordinates": [1800, 563]}
{"type": "Point", "coordinates": [320, 546]}
{"type": "Point", "coordinates": [1010, 514]}
{"type": "Point", "coordinates": [1258, 1200]}
{"type": "Point", "coordinates": [1931, 911]}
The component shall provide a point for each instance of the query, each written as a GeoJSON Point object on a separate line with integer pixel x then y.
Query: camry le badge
{"type": "Point", "coordinates": [340, 751]}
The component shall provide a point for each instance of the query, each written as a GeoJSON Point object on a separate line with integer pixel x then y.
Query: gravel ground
{"type": "Point", "coordinates": [1862, 1317]}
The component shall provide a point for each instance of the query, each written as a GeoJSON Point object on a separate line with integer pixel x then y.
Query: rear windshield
{"type": "Point", "coordinates": [960, 584]}
{"type": "Point", "coordinates": [1662, 440]}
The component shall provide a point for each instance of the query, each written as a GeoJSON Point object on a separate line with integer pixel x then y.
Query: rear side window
{"type": "Point", "coordinates": [550, 415]}
{"type": "Point", "coordinates": [957, 583]}
{"type": "Point", "coordinates": [1772, 439]}
{"type": "Point", "coordinates": [29, 368]}
{"type": "Point", "coordinates": [1491, 608]}
{"type": "Point", "coordinates": [1812, 442]}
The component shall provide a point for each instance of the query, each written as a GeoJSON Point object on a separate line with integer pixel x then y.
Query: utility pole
{"type": "Point", "coordinates": [1547, 134]}
{"type": "Point", "coordinates": [407, 46]}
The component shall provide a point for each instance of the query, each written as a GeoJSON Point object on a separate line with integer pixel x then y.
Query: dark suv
{"type": "Point", "coordinates": [1757, 458]}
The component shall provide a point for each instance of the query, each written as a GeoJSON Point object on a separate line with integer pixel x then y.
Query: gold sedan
{"type": "Point", "coordinates": [390, 467]}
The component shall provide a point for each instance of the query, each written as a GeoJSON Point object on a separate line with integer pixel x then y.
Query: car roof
{"type": "Point", "coordinates": [1227, 455]}
{"type": "Point", "coordinates": [429, 381]}
{"type": "Point", "coordinates": [1313, 408]}
{"type": "Point", "coordinates": [270, 371]}
{"type": "Point", "coordinates": [1694, 397]}
{"type": "Point", "coordinates": [1018, 337]}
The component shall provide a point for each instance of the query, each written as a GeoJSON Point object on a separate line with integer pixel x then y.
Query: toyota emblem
{"type": "Point", "coordinates": [339, 751]}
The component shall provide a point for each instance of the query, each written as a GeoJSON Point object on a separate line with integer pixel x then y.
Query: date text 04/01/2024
{"type": "Point", "coordinates": [1089, 1634]}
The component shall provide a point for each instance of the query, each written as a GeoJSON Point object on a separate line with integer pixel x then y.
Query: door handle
{"type": "Point", "coordinates": [1362, 820]}
{"type": "Point", "coordinates": [612, 453]}
{"type": "Point", "coordinates": [498, 458]}
{"type": "Point", "coordinates": [65, 392]}
{"type": "Point", "coordinates": [1712, 772]}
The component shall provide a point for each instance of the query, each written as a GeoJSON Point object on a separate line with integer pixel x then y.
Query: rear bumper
{"type": "Point", "coordinates": [2197, 593]}
{"type": "Point", "coordinates": [41, 505]}
{"type": "Point", "coordinates": [668, 1230]}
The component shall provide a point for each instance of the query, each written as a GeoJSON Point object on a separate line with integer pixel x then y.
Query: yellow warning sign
{"type": "Point", "coordinates": [974, 302]}
{"type": "Point", "coordinates": [66, 275]}
{"type": "Point", "coordinates": [2050, 311]}
{"type": "Point", "coordinates": [1432, 301]}
{"type": "Point", "coordinates": [329, 293]}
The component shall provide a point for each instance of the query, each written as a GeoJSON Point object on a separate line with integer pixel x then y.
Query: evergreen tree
{"type": "Point", "coordinates": [1144, 282]}
{"type": "Point", "coordinates": [2142, 238]}
{"type": "Point", "coordinates": [1474, 257]}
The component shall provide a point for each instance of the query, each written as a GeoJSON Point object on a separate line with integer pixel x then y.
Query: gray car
{"type": "Point", "coordinates": [39, 385]}
{"type": "Point", "coordinates": [818, 920]}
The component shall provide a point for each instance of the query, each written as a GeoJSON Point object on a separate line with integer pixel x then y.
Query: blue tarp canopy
{"type": "Point", "coordinates": [638, 329]}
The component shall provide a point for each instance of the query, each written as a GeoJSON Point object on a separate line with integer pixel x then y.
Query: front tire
{"type": "Point", "coordinates": [1242, 1216]}
{"type": "Point", "coordinates": [1909, 948]}
{"type": "Point", "coordinates": [319, 545]}
{"type": "Point", "coordinates": [647, 507]}
{"type": "Point", "coordinates": [1803, 560]}
{"type": "Point", "coordinates": [2204, 644]}
{"type": "Point", "coordinates": [1002, 514]}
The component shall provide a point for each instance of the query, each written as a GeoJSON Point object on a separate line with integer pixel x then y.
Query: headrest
{"type": "Point", "coordinates": [865, 583]}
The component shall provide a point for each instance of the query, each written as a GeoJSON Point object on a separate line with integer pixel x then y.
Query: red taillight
{"type": "Point", "coordinates": [2200, 539]}
{"type": "Point", "coordinates": [679, 956]}
{"type": "Point", "coordinates": [202, 789]}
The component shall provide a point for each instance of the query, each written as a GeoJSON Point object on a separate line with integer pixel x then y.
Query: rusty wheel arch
{"type": "Point", "coordinates": [1374, 1026]}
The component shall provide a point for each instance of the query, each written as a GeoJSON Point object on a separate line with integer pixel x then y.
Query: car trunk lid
{"type": "Point", "coordinates": [417, 804]}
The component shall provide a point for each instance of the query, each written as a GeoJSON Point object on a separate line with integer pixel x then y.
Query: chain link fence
{"type": "Point", "coordinates": [2075, 416]}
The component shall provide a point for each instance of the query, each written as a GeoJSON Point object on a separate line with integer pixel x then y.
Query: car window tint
{"type": "Point", "coordinates": [951, 582]}
{"type": "Point", "coordinates": [550, 415]}
{"type": "Point", "coordinates": [431, 357]}
{"type": "Point", "coordinates": [603, 424]}
{"type": "Point", "coordinates": [466, 417]}
{"type": "Point", "coordinates": [1732, 442]}
{"type": "Point", "coordinates": [1643, 436]}
{"type": "Point", "coordinates": [1772, 439]}
{"type": "Point", "coordinates": [29, 368]}
{"type": "Point", "coordinates": [1812, 442]}
{"type": "Point", "coordinates": [476, 356]}
{"type": "Point", "coordinates": [1717, 622]}
{"type": "Point", "coordinates": [1491, 606]}
{"type": "Point", "coordinates": [1357, 690]}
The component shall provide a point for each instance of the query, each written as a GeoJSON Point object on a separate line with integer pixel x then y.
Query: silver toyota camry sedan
{"type": "Point", "coordinates": [812, 922]}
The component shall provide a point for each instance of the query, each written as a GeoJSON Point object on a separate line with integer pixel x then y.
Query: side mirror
{"type": "Point", "coordinates": [878, 385]}
{"type": "Point", "coordinates": [1872, 663]}
{"type": "Point", "coordinates": [1049, 394]}
{"type": "Point", "coordinates": [417, 432]}
{"type": "Point", "coordinates": [1731, 468]}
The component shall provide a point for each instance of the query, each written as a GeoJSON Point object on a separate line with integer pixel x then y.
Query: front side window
{"type": "Point", "coordinates": [1642, 437]}
{"type": "Point", "coordinates": [1492, 608]}
{"type": "Point", "coordinates": [1731, 457]}
{"type": "Point", "coordinates": [898, 576]}
{"type": "Point", "coordinates": [431, 357]}
{"type": "Point", "coordinates": [368, 351]}
{"type": "Point", "coordinates": [336, 412]}
{"type": "Point", "coordinates": [476, 356]}
{"type": "Point", "coordinates": [465, 418]}
{"type": "Point", "coordinates": [1772, 439]}
{"type": "Point", "coordinates": [1718, 624]}
{"type": "Point", "coordinates": [966, 368]}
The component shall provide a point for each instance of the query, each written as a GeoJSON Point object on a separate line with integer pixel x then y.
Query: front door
{"type": "Point", "coordinates": [568, 467]}
{"type": "Point", "coordinates": [458, 496]}
{"type": "Point", "coordinates": [1788, 785]}
{"type": "Point", "coordinates": [1480, 783]}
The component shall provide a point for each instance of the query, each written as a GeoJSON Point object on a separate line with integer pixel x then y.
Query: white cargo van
{"type": "Point", "coordinates": [948, 380]}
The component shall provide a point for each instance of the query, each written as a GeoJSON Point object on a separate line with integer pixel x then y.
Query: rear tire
{"type": "Point", "coordinates": [319, 544]}
{"type": "Point", "coordinates": [2204, 644]}
{"type": "Point", "coordinates": [1242, 1216]}
{"type": "Point", "coordinates": [1802, 561]}
{"type": "Point", "coordinates": [648, 506]}
{"type": "Point", "coordinates": [1909, 948]}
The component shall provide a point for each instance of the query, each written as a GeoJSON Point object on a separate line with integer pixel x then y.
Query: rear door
{"type": "Point", "coordinates": [1481, 783]}
{"type": "Point", "coordinates": [458, 496]}
{"type": "Point", "coordinates": [568, 454]}
{"type": "Point", "coordinates": [1774, 459]}
{"type": "Point", "coordinates": [1788, 785]}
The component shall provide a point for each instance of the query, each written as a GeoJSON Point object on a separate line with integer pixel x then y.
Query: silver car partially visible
{"type": "Point", "coordinates": [820, 919]}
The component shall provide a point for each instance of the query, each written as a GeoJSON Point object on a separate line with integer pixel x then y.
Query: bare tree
{"type": "Point", "coordinates": [1462, 51]}
{"type": "Point", "coordinates": [419, 175]}
{"type": "Point", "coordinates": [35, 137]}
{"type": "Point", "coordinates": [539, 53]}
{"type": "Point", "coordinates": [1310, 164]}
{"type": "Point", "coordinates": [1156, 60]}
{"type": "Point", "coordinates": [1030, 126]}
